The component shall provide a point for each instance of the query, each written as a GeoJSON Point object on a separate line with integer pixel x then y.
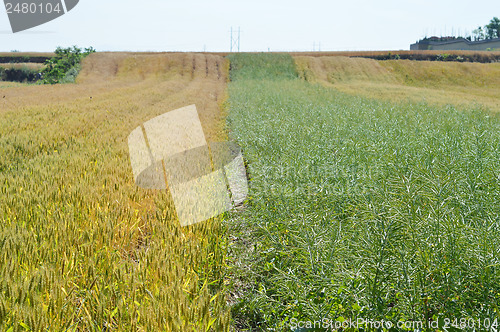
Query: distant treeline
{"type": "Point", "coordinates": [489, 31]}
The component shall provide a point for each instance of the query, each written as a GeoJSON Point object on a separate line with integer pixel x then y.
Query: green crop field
{"type": "Point", "coordinates": [360, 208]}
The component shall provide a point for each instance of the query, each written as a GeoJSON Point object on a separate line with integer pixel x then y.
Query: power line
{"type": "Point", "coordinates": [235, 40]}
{"type": "Point", "coordinates": [314, 47]}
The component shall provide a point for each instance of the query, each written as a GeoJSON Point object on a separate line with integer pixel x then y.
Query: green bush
{"type": "Point", "coordinates": [64, 67]}
{"type": "Point", "coordinates": [443, 57]}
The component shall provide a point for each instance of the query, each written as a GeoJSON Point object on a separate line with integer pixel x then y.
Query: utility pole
{"type": "Point", "coordinates": [314, 47]}
{"type": "Point", "coordinates": [235, 41]}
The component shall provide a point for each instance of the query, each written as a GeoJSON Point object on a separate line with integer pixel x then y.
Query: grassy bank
{"type": "Point", "coordinates": [361, 208]}
{"type": "Point", "coordinates": [439, 83]}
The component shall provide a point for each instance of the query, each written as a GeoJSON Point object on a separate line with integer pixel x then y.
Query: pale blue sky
{"type": "Point", "coordinates": [195, 25]}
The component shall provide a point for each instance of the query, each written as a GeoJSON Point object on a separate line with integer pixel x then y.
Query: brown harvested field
{"type": "Point", "coordinates": [151, 83]}
{"type": "Point", "coordinates": [26, 54]}
{"type": "Point", "coordinates": [400, 52]}
{"type": "Point", "coordinates": [17, 57]}
{"type": "Point", "coordinates": [88, 249]}
{"type": "Point", "coordinates": [435, 82]}
{"type": "Point", "coordinates": [432, 55]}
{"type": "Point", "coordinates": [371, 54]}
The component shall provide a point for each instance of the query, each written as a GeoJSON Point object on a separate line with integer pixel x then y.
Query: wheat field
{"type": "Point", "coordinates": [81, 247]}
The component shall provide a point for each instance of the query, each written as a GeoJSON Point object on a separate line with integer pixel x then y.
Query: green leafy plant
{"type": "Point", "coordinates": [443, 57]}
{"type": "Point", "coordinates": [64, 67]}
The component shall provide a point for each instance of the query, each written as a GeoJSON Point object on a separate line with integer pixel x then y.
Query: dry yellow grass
{"type": "Point", "coordinates": [28, 65]}
{"type": "Point", "coordinates": [26, 54]}
{"type": "Point", "coordinates": [393, 52]}
{"type": "Point", "coordinates": [461, 84]}
{"type": "Point", "coordinates": [9, 84]}
{"type": "Point", "coordinates": [150, 83]}
{"type": "Point", "coordinates": [83, 247]}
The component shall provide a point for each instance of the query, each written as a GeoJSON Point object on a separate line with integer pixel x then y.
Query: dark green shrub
{"type": "Point", "coordinates": [23, 74]}
{"type": "Point", "coordinates": [64, 67]}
